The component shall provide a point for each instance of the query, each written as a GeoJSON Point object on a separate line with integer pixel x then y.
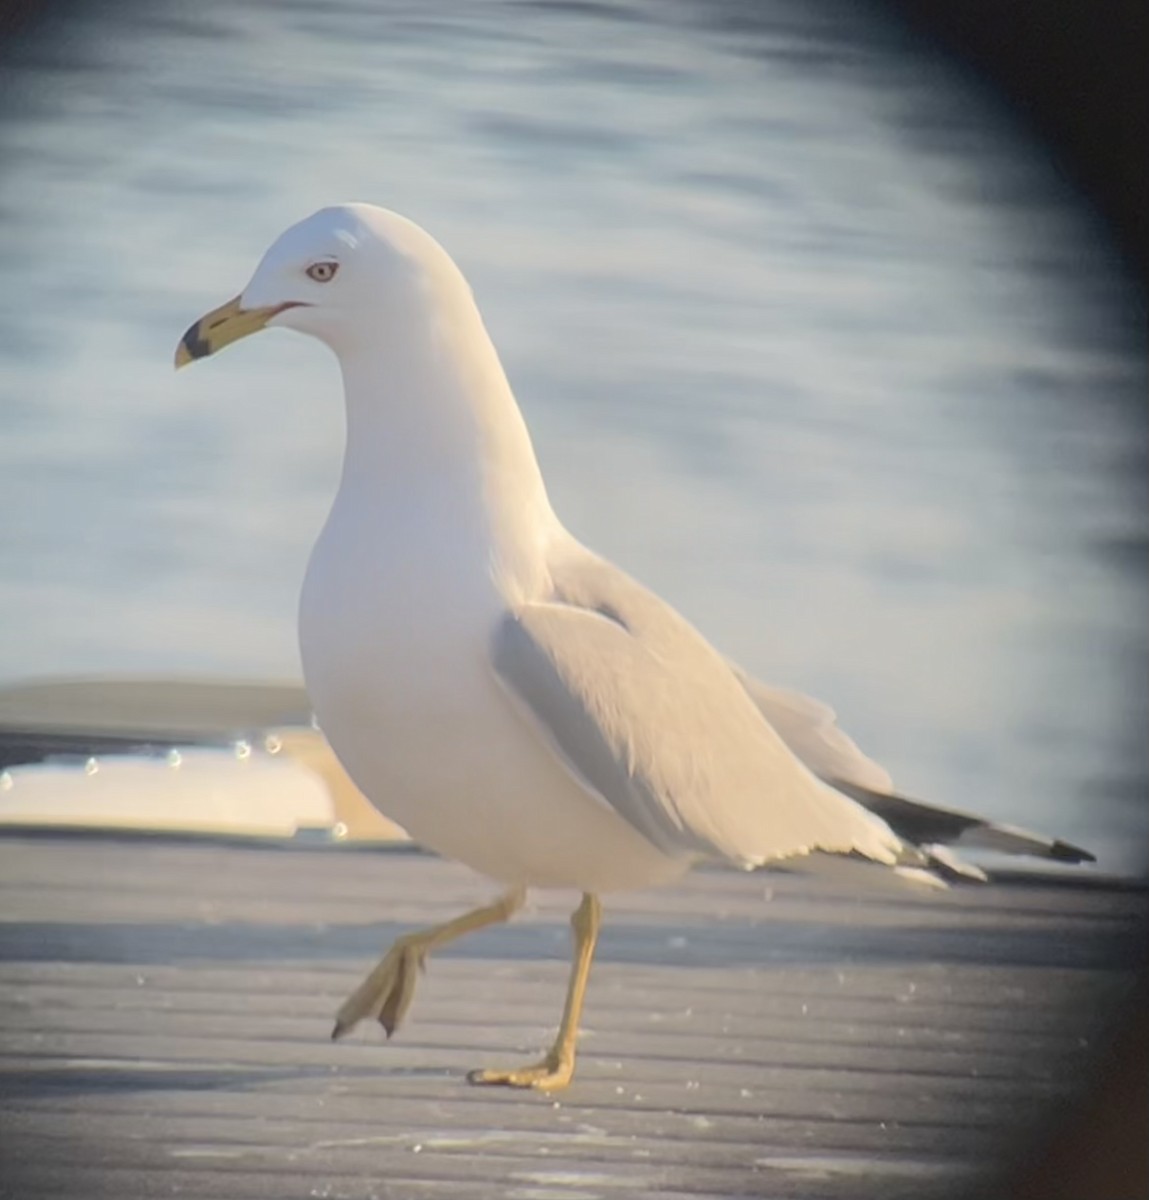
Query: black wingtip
{"type": "Point", "coordinates": [339, 1030]}
{"type": "Point", "coordinates": [1065, 852]}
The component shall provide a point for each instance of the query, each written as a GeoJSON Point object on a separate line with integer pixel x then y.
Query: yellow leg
{"type": "Point", "coordinates": [387, 992]}
{"type": "Point", "coordinates": [557, 1067]}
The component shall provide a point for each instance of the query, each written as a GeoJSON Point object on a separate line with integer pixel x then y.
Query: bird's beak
{"type": "Point", "coordinates": [221, 327]}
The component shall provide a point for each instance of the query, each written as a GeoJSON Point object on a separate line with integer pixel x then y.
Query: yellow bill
{"type": "Point", "coordinates": [221, 327]}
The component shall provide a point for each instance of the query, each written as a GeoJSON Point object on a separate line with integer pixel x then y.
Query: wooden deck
{"type": "Point", "coordinates": [167, 1007]}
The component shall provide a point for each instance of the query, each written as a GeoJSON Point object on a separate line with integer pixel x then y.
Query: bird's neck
{"type": "Point", "coordinates": [434, 435]}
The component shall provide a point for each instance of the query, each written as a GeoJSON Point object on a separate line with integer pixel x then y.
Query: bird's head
{"type": "Point", "coordinates": [346, 275]}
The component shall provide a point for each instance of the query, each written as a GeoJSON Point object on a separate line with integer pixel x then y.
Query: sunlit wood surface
{"type": "Point", "coordinates": [166, 1010]}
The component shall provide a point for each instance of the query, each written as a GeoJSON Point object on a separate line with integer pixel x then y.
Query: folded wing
{"type": "Point", "coordinates": [654, 722]}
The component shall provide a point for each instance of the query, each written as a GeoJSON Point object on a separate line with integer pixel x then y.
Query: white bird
{"type": "Point", "coordinates": [512, 699]}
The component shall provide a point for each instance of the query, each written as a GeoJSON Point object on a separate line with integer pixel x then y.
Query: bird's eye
{"type": "Point", "coordinates": [322, 272]}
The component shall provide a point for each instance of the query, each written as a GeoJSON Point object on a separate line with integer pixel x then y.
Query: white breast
{"type": "Point", "coordinates": [395, 625]}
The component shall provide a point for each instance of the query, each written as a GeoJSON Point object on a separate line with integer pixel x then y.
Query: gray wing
{"type": "Point", "coordinates": [810, 729]}
{"type": "Point", "coordinates": [654, 722]}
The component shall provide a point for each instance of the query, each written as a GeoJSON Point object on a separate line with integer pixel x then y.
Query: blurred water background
{"type": "Point", "coordinates": [810, 337]}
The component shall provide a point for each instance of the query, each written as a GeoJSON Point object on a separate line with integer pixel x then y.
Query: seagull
{"type": "Point", "coordinates": [511, 698]}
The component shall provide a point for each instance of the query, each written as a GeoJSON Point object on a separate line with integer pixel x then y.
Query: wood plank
{"type": "Point", "coordinates": [167, 1005]}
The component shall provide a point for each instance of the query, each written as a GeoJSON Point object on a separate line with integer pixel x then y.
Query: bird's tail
{"type": "Point", "coordinates": [939, 833]}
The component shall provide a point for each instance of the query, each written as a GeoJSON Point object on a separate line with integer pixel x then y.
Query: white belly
{"type": "Point", "coordinates": [397, 671]}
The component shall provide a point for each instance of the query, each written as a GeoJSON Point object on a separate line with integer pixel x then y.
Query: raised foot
{"type": "Point", "coordinates": [386, 993]}
{"type": "Point", "coordinates": [550, 1075]}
